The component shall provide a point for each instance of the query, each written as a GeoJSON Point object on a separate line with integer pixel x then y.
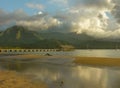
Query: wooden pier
{"type": "Point", "coordinates": [26, 51]}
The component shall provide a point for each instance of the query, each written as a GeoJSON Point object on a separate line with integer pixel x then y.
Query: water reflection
{"type": "Point", "coordinates": [97, 53]}
{"type": "Point", "coordinates": [67, 75]}
{"type": "Point", "coordinates": [89, 53]}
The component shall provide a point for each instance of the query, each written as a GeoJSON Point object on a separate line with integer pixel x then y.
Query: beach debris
{"type": "Point", "coordinates": [47, 54]}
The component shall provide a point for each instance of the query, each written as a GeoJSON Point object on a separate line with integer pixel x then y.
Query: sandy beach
{"type": "Point", "coordinates": [97, 61]}
{"type": "Point", "coordinates": [11, 79]}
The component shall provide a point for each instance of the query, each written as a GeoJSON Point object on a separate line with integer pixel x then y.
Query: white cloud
{"type": "Point", "coordinates": [40, 12]}
{"type": "Point", "coordinates": [91, 17]}
{"type": "Point", "coordinates": [99, 18]}
{"type": "Point", "coordinates": [65, 2]}
{"type": "Point", "coordinates": [35, 6]}
{"type": "Point", "coordinates": [38, 22]}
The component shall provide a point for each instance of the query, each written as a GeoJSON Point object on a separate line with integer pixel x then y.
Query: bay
{"type": "Point", "coordinates": [62, 73]}
{"type": "Point", "coordinates": [112, 53]}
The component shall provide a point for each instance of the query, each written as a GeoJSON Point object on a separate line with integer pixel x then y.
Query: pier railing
{"type": "Point", "coordinates": [25, 51]}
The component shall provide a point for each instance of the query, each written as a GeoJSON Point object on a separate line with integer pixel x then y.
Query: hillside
{"type": "Point", "coordinates": [21, 37]}
{"type": "Point", "coordinates": [84, 41]}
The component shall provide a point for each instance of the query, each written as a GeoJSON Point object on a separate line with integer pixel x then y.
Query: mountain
{"type": "Point", "coordinates": [21, 37]}
{"type": "Point", "coordinates": [83, 41]}
{"type": "Point", "coordinates": [19, 34]}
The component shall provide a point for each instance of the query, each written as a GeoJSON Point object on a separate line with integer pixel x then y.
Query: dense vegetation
{"type": "Point", "coordinates": [21, 37]}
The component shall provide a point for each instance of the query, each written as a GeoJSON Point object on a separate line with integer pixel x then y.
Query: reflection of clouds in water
{"type": "Point", "coordinates": [96, 53]}
{"type": "Point", "coordinates": [60, 73]}
{"type": "Point", "coordinates": [44, 72]}
{"type": "Point", "coordinates": [91, 77]}
{"type": "Point", "coordinates": [60, 76]}
{"type": "Point", "coordinates": [72, 77]}
{"type": "Point", "coordinates": [113, 79]}
{"type": "Point", "coordinates": [91, 53]}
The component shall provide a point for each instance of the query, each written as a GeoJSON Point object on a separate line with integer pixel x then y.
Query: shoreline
{"type": "Point", "coordinates": [32, 56]}
{"type": "Point", "coordinates": [94, 61]}
{"type": "Point", "coordinates": [98, 61]}
{"type": "Point", "coordinates": [12, 79]}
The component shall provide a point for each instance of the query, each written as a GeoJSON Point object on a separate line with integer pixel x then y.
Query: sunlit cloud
{"type": "Point", "coordinates": [38, 22]}
{"type": "Point", "coordinates": [98, 18]}
{"type": "Point", "coordinates": [40, 12]}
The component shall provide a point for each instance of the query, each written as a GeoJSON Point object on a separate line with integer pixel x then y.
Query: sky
{"type": "Point", "coordinates": [98, 18]}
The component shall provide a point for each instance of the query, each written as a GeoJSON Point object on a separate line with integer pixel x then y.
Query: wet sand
{"type": "Point", "coordinates": [96, 61]}
{"type": "Point", "coordinates": [34, 56]}
{"type": "Point", "coordinates": [11, 79]}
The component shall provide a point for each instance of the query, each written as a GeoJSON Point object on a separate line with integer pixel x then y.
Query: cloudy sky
{"type": "Point", "coordinates": [99, 18]}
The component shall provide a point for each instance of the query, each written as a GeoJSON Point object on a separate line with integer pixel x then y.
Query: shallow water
{"type": "Point", "coordinates": [62, 73]}
{"type": "Point", "coordinates": [114, 53]}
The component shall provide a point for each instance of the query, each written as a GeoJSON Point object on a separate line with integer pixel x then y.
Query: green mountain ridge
{"type": "Point", "coordinates": [84, 41]}
{"type": "Point", "coordinates": [21, 37]}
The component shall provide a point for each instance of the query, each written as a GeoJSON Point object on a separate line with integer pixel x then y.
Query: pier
{"type": "Point", "coordinates": [26, 51]}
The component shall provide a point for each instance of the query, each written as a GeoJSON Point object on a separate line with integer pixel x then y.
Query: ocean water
{"type": "Point", "coordinates": [63, 73]}
{"type": "Point", "coordinates": [90, 53]}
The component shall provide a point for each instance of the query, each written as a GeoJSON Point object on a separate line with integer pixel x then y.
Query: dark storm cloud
{"type": "Point", "coordinates": [116, 10]}
{"type": "Point", "coordinates": [92, 3]}
{"type": "Point", "coordinates": [7, 18]}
